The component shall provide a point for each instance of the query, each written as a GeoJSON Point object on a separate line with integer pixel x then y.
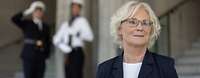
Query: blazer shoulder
{"type": "Point", "coordinates": [108, 62]}
{"type": "Point", "coordinates": [104, 68]}
{"type": "Point", "coordinates": [166, 65]}
{"type": "Point", "coordinates": [162, 58]}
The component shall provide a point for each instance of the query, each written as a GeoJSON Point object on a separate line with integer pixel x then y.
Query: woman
{"type": "Point", "coordinates": [135, 27]}
{"type": "Point", "coordinates": [70, 40]}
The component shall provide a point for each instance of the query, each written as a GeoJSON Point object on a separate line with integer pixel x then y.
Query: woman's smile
{"type": "Point", "coordinates": [138, 36]}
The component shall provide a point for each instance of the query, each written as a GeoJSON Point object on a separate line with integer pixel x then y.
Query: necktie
{"type": "Point", "coordinates": [39, 25]}
{"type": "Point", "coordinates": [70, 40]}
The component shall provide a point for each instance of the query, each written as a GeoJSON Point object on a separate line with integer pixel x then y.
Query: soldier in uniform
{"type": "Point", "coordinates": [36, 40]}
{"type": "Point", "coordinates": [70, 39]}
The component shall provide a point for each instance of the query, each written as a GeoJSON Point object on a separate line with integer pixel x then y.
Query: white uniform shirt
{"type": "Point", "coordinates": [131, 70]}
{"type": "Point", "coordinates": [81, 25]}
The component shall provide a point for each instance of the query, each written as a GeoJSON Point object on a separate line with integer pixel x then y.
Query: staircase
{"type": "Point", "coordinates": [9, 60]}
{"type": "Point", "coordinates": [188, 65]}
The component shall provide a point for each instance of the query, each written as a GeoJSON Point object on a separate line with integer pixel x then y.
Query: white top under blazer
{"type": "Point", "coordinates": [131, 70]}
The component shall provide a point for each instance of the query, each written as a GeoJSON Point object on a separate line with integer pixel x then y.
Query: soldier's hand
{"type": "Point", "coordinates": [29, 11]}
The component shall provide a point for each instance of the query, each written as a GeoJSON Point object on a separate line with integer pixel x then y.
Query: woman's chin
{"type": "Point", "coordinates": [138, 43]}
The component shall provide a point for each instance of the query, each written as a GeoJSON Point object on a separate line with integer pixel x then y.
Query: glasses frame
{"type": "Point", "coordinates": [150, 23]}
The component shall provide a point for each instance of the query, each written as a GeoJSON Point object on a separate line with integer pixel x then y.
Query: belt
{"type": "Point", "coordinates": [33, 42]}
{"type": "Point", "coordinates": [29, 41]}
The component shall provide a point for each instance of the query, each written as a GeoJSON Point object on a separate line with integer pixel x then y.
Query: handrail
{"type": "Point", "coordinates": [10, 43]}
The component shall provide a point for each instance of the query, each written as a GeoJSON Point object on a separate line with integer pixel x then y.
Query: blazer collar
{"type": "Point", "coordinates": [146, 68]}
{"type": "Point", "coordinates": [147, 65]}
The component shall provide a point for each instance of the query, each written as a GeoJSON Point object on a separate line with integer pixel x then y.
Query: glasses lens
{"type": "Point", "coordinates": [147, 23]}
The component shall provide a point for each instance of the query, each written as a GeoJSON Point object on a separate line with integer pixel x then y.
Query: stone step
{"type": "Point", "coordinates": [190, 54]}
{"type": "Point", "coordinates": [189, 76]}
{"type": "Point", "coordinates": [188, 69]}
{"type": "Point", "coordinates": [188, 65]}
{"type": "Point", "coordinates": [193, 48]}
{"type": "Point", "coordinates": [196, 44]}
{"type": "Point", "coordinates": [197, 41]}
{"type": "Point", "coordinates": [188, 60]}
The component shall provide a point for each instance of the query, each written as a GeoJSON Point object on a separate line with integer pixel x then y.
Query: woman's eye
{"type": "Point", "coordinates": [146, 23]}
{"type": "Point", "coordinates": [132, 22]}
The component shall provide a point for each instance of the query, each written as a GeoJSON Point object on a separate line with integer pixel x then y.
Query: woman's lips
{"type": "Point", "coordinates": [138, 35]}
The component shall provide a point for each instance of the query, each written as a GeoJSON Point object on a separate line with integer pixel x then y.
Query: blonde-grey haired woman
{"type": "Point", "coordinates": [135, 28]}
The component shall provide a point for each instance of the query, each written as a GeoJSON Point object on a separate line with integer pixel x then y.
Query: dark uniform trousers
{"type": "Point", "coordinates": [33, 57]}
{"type": "Point", "coordinates": [34, 69]}
{"type": "Point", "coordinates": [75, 63]}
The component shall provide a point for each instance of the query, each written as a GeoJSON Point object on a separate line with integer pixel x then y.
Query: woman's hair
{"type": "Point", "coordinates": [128, 9]}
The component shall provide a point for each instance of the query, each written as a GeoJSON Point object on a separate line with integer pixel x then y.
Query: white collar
{"type": "Point", "coordinates": [36, 20]}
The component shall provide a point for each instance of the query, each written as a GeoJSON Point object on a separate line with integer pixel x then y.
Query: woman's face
{"type": "Point", "coordinates": [136, 29]}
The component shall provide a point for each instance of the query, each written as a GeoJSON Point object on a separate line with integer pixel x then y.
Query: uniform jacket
{"type": "Point", "coordinates": [31, 31]}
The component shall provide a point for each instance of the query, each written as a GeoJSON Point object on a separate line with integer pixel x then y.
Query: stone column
{"type": "Point", "coordinates": [106, 48]}
{"type": "Point", "coordinates": [61, 16]}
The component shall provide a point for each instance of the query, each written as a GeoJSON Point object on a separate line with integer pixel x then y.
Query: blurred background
{"type": "Point", "coordinates": [180, 35]}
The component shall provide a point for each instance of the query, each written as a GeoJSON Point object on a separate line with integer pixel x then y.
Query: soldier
{"type": "Point", "coordinates": [36, 40]}
{"type": "Point", "coordinates": [70, 39]}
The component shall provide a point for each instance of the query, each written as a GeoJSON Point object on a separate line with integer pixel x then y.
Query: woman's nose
{"type": "Point", "coordinates": [139, 27]}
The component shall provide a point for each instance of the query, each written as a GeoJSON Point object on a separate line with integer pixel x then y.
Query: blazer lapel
{"type": "Point", "coordinates": [146, 67]}
{"type": "Point", "coordinates": [117, 70]}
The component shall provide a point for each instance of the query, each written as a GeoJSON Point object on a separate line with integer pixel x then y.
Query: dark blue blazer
{"type": "Point", "coordinates": [153, 66]}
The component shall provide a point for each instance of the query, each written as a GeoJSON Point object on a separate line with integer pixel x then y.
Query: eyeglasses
{"type": "Point", "coordinates": [133, 22]}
